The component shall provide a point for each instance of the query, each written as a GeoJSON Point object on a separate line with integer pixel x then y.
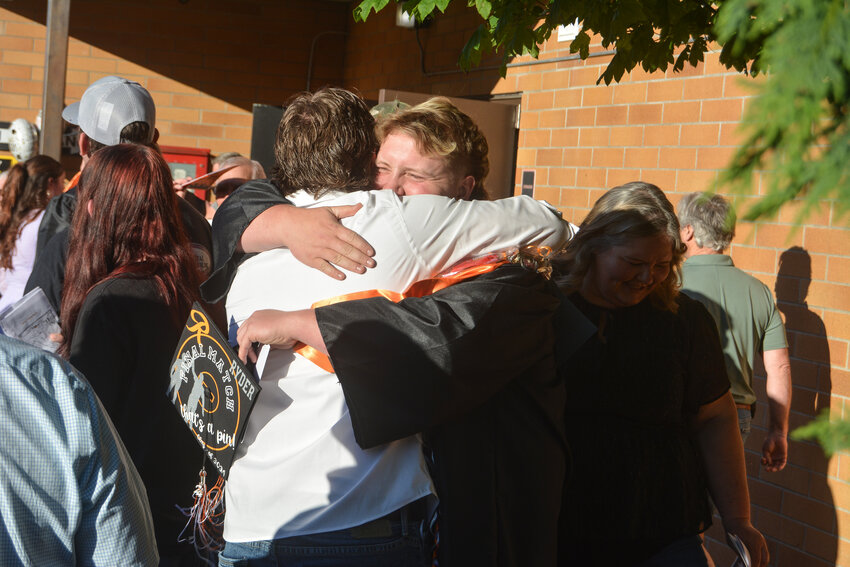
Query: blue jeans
{"type": "Point", "coordinates": [387, 542]}
{"type": "Point", "coordinates": [745, 422]}
{"type": "Point", "coordinates": [685, 552]}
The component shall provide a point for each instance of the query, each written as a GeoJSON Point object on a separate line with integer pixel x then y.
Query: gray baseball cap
{"type": "Point", "coordinates": [108, 105]}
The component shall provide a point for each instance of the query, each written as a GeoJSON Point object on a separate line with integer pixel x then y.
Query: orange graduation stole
{"type": "Point", "coordinates": [457, 273]}
{"type": "Point", "coordinates": [531, 257]}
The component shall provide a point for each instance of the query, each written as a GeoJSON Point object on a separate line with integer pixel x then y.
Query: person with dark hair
{"type": "Point", "coordinates": [112, 110]}
{"type": "Point", "coordinates": [320, 149]}
{"type": "Point", "coordinates": [746, 316]}
{"type": "Point", "coordinates": [300, 484]}
{"type": "Point", "coordinates": [130, 284]}
{"type": "Point", "coordinates": [29, 186]}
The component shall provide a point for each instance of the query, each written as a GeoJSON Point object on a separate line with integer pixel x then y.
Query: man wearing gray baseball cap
{"type": "Point", "coordinates": [113, 110]}
{"type": "Point", "coordinates": [107, 106]}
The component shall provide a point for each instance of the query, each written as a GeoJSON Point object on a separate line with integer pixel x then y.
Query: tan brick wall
{"type": "Point", "coordinates": [207, 61]}
{"type": "Point", "coordinates": [677, 131]}
{"type": "Point", "coordinates": [204, 62]}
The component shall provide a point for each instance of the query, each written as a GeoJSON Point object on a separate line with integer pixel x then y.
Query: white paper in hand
{"type": "Point", "coordinates": [31, 319]}
{"type": "Point", "coordinates": [743, 554]}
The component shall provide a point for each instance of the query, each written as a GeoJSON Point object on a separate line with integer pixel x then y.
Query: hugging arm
{"type": "Point", "coordinates": [256, 217]}
{"type": "Point", "coordinates": [315, 237]}
{"type": "Point", "coordinates": [279, 329]}
{"type": "Point", "coordinates": [408, 366]}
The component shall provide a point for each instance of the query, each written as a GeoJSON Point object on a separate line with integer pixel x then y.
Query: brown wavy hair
{"type": "Point", "coordinates": [133, 229]}
{"type": "Point", "coordinates": [25, 194]}
{"type": "Point", "coordinates": [625, 213]}
{"type": "Point", "coordinates": [442, 129]}
{"type": "Point", "coordinates": [132, 133]}
{"type": "Point", "coordinates": [325, 142]}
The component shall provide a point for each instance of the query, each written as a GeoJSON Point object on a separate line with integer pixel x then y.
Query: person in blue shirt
{"type": "Point", "coordinates": [69, 493]}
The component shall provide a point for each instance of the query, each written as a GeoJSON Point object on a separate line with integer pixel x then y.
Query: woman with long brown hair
{"type": "Point", "coordinates": [130, 282]}
{"type": "Point", "coordinates": [28, 188]}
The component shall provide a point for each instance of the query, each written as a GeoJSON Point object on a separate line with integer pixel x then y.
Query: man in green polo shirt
{"type": "Point", "coordinates": [746, 316]}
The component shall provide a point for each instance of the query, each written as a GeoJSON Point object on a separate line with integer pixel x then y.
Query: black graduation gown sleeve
{"type": "Point", "coordinates": [230, 221]}
{"type": "Point", "coordinates": [408, 366]}
{"type": "Point", "coordinates": [475, 368]}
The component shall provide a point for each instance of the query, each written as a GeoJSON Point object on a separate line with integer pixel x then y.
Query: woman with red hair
{"type": "Point", "coordinates": [130, 282]}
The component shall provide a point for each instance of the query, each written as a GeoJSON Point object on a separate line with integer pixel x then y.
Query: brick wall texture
{"type": "Point", "coordinates": [206, 62]}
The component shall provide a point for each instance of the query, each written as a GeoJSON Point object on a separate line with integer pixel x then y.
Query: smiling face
{"type": "Point", "coordinates": [403, 168]}
{"type": "Point", "coordinates": [625, 275]}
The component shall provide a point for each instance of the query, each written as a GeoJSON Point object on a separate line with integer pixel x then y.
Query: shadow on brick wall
{"type": "Point", "coordinates": [809, 533]}
{"type": "Point", "coordinates": [793, 508]}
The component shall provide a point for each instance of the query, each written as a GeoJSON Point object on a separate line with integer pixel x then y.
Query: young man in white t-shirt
{"type": "Point", "coordinates": [300, 480]}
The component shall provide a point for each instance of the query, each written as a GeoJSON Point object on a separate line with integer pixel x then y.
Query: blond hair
{"type": "Point", "coordinates": [441, 129]}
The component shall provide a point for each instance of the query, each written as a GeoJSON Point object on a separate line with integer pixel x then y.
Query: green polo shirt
{"type": "Point", "coordinates": [743, 308]}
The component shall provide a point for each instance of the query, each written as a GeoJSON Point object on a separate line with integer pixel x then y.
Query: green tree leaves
{"type": "Point", "coordinates": [485, 8]}
{"type": "Point", "coordinates": [833, 436]}
{"type": "Point", "coordinates": [362, 10]}
{"type": "Point", "coordinates": [644, 32]}
{"type": "Point", "coordinates": [797, 128]}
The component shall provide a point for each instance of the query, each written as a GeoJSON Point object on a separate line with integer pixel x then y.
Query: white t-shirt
{"type": "Point", "coordinates": [13, 282]}
{"type": "Point", "coordinates": [299, 470]}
